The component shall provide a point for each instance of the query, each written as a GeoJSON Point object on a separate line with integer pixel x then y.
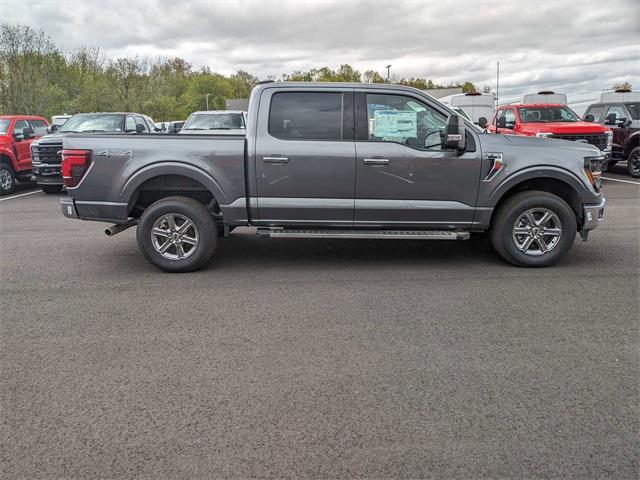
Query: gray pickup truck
{"type": "Point", "coordinates": [337, 161]}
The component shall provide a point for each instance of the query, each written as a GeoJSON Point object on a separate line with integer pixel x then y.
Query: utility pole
{"type": "Point", "coordinates": [388, 67]}
{"type": "Point", "coordinates": [497, 82]}
{"type": "Point", "coordinates": [207, 99]}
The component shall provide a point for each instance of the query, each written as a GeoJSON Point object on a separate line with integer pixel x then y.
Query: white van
{"type": "Point", "coordinates": [476, 105]}
{"type": "Point", "coordinates": [618, 96]}
{"type": "Point", "coordinates": [545, 97]}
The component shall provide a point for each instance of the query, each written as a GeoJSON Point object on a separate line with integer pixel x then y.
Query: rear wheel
{"type": "Point", "coordinates": [533, 229]}
{"type": "Point", "coordinates": [7, 179]}
{"type": "Point", "coordinates": [633, 163]}
{"type": "Point", "coordinates": [51, 188]}
{"type": "Point", "coordinates": [177, 234]}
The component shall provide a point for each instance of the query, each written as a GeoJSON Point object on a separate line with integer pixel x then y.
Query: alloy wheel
{"type": "Point", "coordinates": [175, 236]}
{"type": "Point", "coordinates": [634, 162]}
{"type": "Point", "coordinates": [6, 179]}
{"type": "Point", "coordinates": [537, 231]}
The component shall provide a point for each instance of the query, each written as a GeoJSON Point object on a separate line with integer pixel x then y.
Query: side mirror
{"type": "Point", "coordinates": [28, 133]}
{"type": "Point", "coordinates": [18, 137]}
{"type": "Point", "coordinates": [501, 122]}
{"type": "Point", "coordinates": [455, 133]}
{"type": "Point", "coordinates": [589, 118]}
{"type": "Point", "coordinates": [611, 119]}
{"type": "Point", "coordinates": [482, 122]}
{"type": "Point", "coordinates": [139, 128]}
{"type": "Point", "coordinates": [52, 128]}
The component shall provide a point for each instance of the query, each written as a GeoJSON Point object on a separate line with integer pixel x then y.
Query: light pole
{"type": "Point", "coordinates": [207, 99]}
{"type": "Point", "coordinates": [388, 67]}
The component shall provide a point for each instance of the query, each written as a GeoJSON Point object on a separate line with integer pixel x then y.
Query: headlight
{"type": "Point", "coordinates": [593, 170]}
{"type": "Point", "coordinates": [544, 134]}
{"type": "Point", "coordinates": [609, 136]}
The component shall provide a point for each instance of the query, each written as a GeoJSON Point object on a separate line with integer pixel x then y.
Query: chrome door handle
{"type": "Point", "coordinates": [376, 161]}
{"type": "Point", "coordinates": [275, 159]}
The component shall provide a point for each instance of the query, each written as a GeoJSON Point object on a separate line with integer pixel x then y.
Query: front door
{"type": "Point", "coordinates": [615, 119]}
{"type": "Point", "coordinates": [305, 163]}
{"type": "Point", "coordinates": [404, 178]}
{"type": "Point", "coordinates": [22, 148]}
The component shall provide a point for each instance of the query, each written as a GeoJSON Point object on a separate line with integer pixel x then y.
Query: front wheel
{"type": "Point", "coordinates": [51, 188]}
{"type": "Point", "coordinates": [533, 229]}
{"type": "Point", "coordinates": [177, 234]}
{"type": "Point", "coordinates": [7, 179]}
{"type": "Point", "coordinates": [633, 163]}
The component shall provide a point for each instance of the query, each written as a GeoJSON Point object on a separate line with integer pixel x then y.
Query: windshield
{"type": "Point", "coordinates": [4, 126]}
{"type": "Point", "coordinates": [93, 123]}
{"type": "Point", "coordinates": [547, 115]}
{"type": "Point", "coordinates": [634, 110]}
{"type": "Point", "coordinates": [215, 121]}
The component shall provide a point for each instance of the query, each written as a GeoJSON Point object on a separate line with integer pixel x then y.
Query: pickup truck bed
{"type": "Point", "coordinates": [336, 160]}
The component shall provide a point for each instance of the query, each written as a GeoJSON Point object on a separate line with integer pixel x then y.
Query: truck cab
{"type": "Point", "coordinates": [550, 120]}
{"type": "Point", "coordinates": [620, 111]}
{"type": "Point", "coordinates": [16, 134]}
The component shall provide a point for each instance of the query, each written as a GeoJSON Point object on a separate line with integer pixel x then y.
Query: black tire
{"type": "Point", "coordinates": [633, 163]}
{"type": "Point", "coordinates": [204, 230]}
{"type": "Point", "coordinates": [7, 179]}
{"type": "Point", "coordinates": [513, 211]}
{"type": "Point", "coordinates": [51, 188]}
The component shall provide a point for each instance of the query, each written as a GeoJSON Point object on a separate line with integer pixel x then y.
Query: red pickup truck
{"type": "Point", "coordinates": [553, 120]}
{"type": "Point", "coordinates": [16, 134]}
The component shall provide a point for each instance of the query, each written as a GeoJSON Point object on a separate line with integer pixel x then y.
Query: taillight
{"type": "Point", "coordinates": [75, 164]}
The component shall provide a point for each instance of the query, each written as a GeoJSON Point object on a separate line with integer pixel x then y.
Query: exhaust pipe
{"type": "Point", "coordinates": [119, 227]}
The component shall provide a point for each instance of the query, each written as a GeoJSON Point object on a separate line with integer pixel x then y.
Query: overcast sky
{"type": "Point", "coordinates": [573, 46]}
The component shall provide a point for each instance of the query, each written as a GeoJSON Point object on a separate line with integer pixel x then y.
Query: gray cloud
{"type": "Point", "coordinates": [574, 46]}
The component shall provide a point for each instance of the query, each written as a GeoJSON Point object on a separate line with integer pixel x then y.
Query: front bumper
{"type": "Point", "coordinates": [45, 174]}
{"type": "Point", "coordinates": [592, 216]}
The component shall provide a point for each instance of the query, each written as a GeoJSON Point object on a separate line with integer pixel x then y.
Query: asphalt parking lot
{"type": "Point", "coordinates": [317, 358]}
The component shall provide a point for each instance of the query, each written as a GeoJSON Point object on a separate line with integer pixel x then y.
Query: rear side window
{"type": "Point", "coordinates": [596, 111]}
{"type": "Point", "coordinates": [306, 116]}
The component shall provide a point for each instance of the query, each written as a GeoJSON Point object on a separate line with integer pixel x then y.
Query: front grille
{"type": "Point", "coordinates": [598, 139]}
{"type": "Point", "coordinates": [48, 153]}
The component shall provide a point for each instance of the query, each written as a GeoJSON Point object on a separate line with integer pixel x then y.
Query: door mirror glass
{"type": "Point", "coordinates": [139, 128]}
{"type": "Point", "coordinates": [589, 118]}
{"type": "Point", "coordinates": [52, 128]}
{"type": "Point", "coordinates": [502, 122]}
{"type": "Point", "coordinates": [482, 122]}
{"type": "Point", "coordinates": [28, 133]}
{"type": "Point", "coordinates": [611, 119]}
{"type": "Point", "coordinates": [455, 133]}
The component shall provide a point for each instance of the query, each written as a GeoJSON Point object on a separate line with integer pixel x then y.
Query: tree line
{"type": "Point", "coordinates": [38, 78]}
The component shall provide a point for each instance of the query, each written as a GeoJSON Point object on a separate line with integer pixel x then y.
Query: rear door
{"type": "Point", "coordinates": [305, 161]}
{"type": "Point", "coordinates": [404, 178]}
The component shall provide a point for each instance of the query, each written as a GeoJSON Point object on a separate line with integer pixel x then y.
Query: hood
{"type": "Point", "coordinates": [564, 128]}
{"type": "Point", "coordinates": [55, 137]}
{"type": "Point", "coordinates": [551, 143]}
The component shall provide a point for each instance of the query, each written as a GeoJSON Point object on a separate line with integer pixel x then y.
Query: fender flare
{"type": "Point", "coordinates": [171, 168]}
{"type": "Point", "coordinates": [634, 137]}
{"type": "Point", "coordinates": [532, 173]}
{"type": "Point", "coordinates": [6, 152]}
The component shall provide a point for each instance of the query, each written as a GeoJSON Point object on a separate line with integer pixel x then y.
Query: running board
{"type": "Point", "coordinates": [376, 234]}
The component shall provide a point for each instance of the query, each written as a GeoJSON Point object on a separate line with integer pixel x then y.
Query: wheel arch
{"type": "Point", "coordinates": [633, 142]}
{"type": "Point", "coordinates": [565, 186]}
{"type": "Point", "coordinates": [169, 179]}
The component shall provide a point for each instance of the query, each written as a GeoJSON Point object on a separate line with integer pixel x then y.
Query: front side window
{"type": "Point", "coordinates": [20, 124]}
{"type": "Point", "coordinates": [140, 121]}
{"type": "Point", "coordinates": [129, 124]}
{"type": "Point", "coordinates": [596, 112]}
{"type": "Point", "coordinates": [547, 114]}
{"type": "Point", "coordinates": [405, 120]}
{"type": "Point", "coordinates": [615, 114]}
{"type": "Point", "coordinates": [306, 116]}
{"type": "Point", "coordinates": [88, 122]}
{"type": "Point", "coordinates": [510, 118]}
{"type": "Point", "coordinates": [39, 127]}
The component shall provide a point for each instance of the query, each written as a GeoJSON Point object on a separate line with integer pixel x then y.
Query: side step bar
{"type": "Point", "coordinates": [375, 234]}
